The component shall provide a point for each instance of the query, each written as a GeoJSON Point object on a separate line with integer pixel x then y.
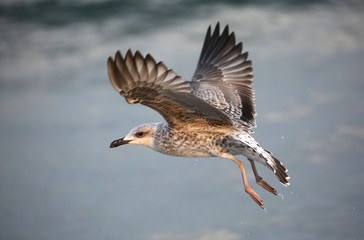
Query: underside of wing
{"type": "Point", "coordinates": [142, 80]}
{"type": "Point", "coordinates": [224, 76]}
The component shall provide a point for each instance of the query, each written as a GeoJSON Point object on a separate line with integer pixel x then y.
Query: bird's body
{"type": "Point", "coordinates": [211, 116]}
{"type": "Point", "coordinates": [185, 142]}
{"type": "Point", "coordinates": [210, 141]}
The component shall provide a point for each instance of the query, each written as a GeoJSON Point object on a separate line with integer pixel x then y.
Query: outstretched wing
{"type": "Point", "coordinates": [223, 77]}
{"type": "Point", "coordinates": [142, 80]}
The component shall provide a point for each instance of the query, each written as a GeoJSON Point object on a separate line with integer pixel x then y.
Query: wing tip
{"type": "Point", "coordinates": [135, 71]}
{"type": "Point", "coordinates": [113, 74]}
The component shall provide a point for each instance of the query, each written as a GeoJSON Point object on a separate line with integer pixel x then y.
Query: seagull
{"type": "Point", "coordinates": [210, 116]}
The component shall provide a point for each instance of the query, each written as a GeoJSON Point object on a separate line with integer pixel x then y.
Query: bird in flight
{"type": "Point", "coordinates": [210, 116]}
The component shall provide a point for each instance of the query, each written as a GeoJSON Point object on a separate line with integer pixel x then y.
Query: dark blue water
{"type": "Point", "coordinates": [59, 113]}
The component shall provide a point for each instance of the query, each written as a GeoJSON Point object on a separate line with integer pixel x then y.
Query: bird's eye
{"type": "Point", "coordinates": [139, 134]}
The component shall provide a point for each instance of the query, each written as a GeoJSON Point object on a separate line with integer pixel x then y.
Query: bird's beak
{"type": "Point", "coordinates": [119, 142]}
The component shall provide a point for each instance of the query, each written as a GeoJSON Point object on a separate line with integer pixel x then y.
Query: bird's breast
{"type": "Point", "coordinates": [188, 144]}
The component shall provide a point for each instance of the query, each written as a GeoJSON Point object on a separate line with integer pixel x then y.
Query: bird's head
{"type": "Point", "coordinates": [141, 135]}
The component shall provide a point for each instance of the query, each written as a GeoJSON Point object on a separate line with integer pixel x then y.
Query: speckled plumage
{"type": "Point", "coordinates": [184, 142]}
{"type": "Point", "coordinates": [211, 116]}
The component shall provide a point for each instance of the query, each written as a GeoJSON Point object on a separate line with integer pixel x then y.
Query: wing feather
{"type": "Point", "coordinates": [224, 76]}
{"type": "Point", "coordinates": [142, 80]}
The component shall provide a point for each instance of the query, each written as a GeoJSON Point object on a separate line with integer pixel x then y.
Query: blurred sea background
{"type": "Point", "coordinates": [59, 113]}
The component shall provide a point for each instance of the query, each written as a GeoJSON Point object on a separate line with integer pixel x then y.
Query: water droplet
{"type": "Point", "coordinates": [354, 208]}
{"type": "Point", "coordinates": [248, 233]}
{"type": "Point", "coordinates": [265, 210]}
{"type": "Point", "coordinates": [282, 137]}
{"type": "Point", "coordinates": [195, 164]}
{"type": "Point", "coordinates": [281, 195]}
{"type": "Point", "coordinates": [241, 222]}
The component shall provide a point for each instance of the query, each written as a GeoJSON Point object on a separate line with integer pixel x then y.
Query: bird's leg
{"type": "Point", "coordinates": [247, 187]}
{"type": "Point", "coordinates": [260, 180]}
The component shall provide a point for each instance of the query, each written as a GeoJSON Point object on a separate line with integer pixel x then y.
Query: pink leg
{"type": "Point", "coordinates": [260, 180]}
{"type": "Point", "coordinates": [247, 187]}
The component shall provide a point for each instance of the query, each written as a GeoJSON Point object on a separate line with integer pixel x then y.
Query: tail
{"type": "Point", "coordinates": [280, 171]}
